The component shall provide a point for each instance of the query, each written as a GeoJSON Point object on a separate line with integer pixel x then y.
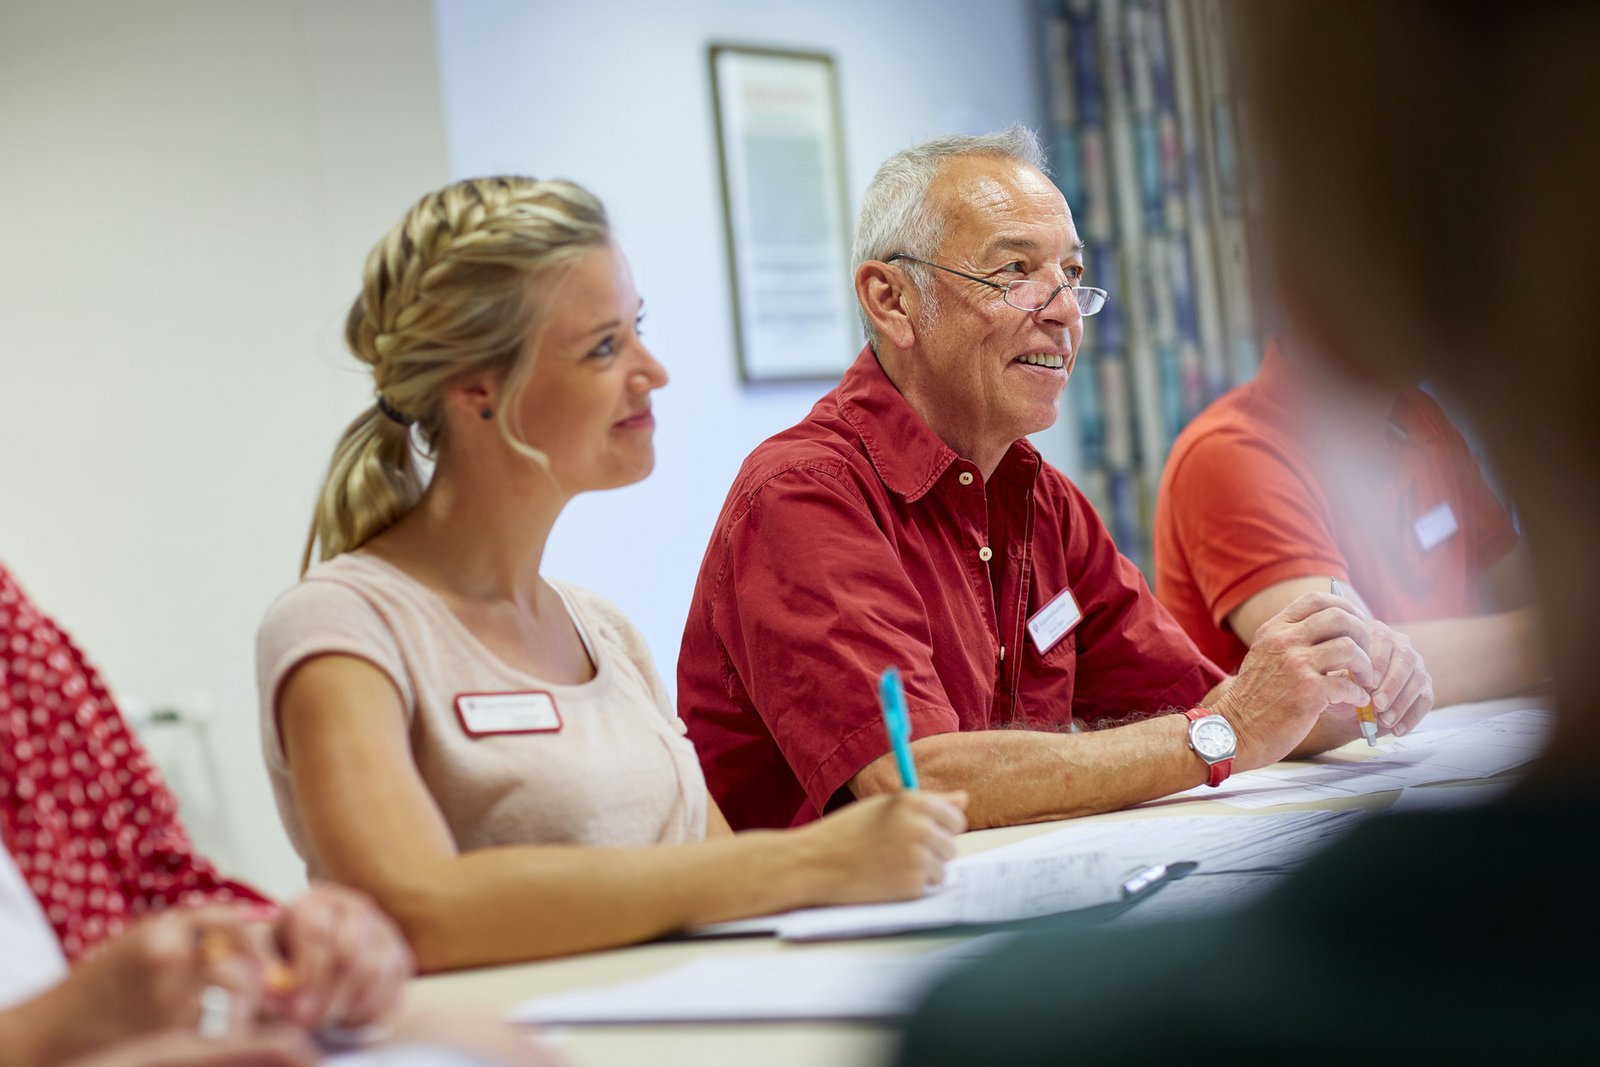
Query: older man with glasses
{"type": "Point", "coordinates": [908, 522]}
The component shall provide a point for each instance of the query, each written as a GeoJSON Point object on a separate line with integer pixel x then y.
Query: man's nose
{"type": "Point", "coordinates": [1062, 307]}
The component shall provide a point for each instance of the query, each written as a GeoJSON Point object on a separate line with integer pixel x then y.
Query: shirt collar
{"type": "Point", "coordinates": [904, 450]}
{"type": "Point", "coordinates": [1411, 418]}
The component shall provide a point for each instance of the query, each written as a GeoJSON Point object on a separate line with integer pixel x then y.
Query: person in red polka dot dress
{"type": "Point", "coordinates": [83, 810]}
{"type": "Point", "coordinates": [89, 832]}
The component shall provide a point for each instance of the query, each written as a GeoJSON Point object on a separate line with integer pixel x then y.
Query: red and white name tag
{"type": "Point", "coordinates": [487, 714]}
{"type": "Point", "coordinates": [1436, 527]}
{"type": "Point", "coordinates": [1054, 621]}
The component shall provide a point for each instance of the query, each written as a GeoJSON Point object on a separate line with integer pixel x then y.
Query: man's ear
{"type": "Point", "coordinates": [889, 302]}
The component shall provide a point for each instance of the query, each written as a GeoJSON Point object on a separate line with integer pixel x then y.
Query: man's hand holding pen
{"type": "Point", "coordinates": [1404, 693]}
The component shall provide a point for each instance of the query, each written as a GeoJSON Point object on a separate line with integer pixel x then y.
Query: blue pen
{"type": "Point", "coordinates": [892, 698]}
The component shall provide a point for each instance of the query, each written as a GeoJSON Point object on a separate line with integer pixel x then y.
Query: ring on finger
{"type": "Point", "coordinates": [216, 1012]}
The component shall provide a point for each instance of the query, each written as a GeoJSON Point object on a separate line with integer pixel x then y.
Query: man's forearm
{"type": "Point", "coordinates": [1481, 658]}
{"type": "Point", "coordinates": [1329, 733]}
{"type": "Point", "coordinates": [1022, 776]}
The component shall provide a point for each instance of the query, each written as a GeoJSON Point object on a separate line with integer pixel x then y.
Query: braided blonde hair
{"type": "Point", "coordinates": [444, 295]}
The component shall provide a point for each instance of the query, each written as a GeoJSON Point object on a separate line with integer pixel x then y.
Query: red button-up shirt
{"type": "Point", "coordinates": [857, 540]}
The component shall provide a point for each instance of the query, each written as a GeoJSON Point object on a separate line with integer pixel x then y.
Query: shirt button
{"type": "Point", "coordinates": [985, 554]}
{"type": "Point", "coordinates": [965, 478]}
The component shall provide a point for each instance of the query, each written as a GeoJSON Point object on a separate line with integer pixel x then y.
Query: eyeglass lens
{"type": "Point", "coordinates": [1033, 295]}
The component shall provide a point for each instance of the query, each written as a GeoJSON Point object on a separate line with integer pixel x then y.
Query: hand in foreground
{"type": "Point", "coordinates": [1405, 693]}
{"type": "Point", "coordinates": [153, 977]}
{"type": "Point", "coordinates": [347, 960]}
{"type": "Point", "coordinates": [887, 847]}
{"type": "Point", "coordinates": [1308, 658]}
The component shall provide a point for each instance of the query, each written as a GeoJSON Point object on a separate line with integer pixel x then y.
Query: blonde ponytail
{"type": "Point", "coordinates": [372, 480]}
{"type": "Point", "coordinates": [447, 293]}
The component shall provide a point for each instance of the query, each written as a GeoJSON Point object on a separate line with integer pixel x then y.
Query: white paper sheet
{"type": "Point", "coordinates": [781, 986]}
{"type": "Point", "coordinates": [1078, 866]}
{"type": "Point", "coordinates": [1260, 842]}
{"type": "Point", "coordinates": [996, 886]}
{"type": "Point", "coordinates": [989, 892]}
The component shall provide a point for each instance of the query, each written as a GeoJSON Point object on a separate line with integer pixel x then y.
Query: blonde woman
{"type": "Point", "coordinates": [486, 751]}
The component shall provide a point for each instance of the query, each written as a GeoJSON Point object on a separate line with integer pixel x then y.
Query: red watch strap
{"type": "Point", "coordinates": [1219, 772]}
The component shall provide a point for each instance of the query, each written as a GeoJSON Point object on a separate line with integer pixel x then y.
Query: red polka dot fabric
{"type": "Point", "coordinates": [83, 810]}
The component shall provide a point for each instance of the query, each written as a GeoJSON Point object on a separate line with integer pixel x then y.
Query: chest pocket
{"type": "Point", "coordinates": [1045, 693]}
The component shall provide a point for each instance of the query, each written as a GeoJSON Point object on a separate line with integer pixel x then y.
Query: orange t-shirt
{"type": "Point", "coordinates": [1259, 490]}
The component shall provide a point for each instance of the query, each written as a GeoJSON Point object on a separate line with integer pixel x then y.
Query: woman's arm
{"type": "Point", "coordinates": [373, 824]}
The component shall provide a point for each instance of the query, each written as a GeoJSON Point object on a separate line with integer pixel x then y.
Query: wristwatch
{"type": "Point", "coordinates": [1213, 740]}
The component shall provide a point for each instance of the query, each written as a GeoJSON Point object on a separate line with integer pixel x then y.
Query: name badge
{"type": "Point", "coordinates": [486, 714]}
{"type": "Point", "coordinates": [1054, 621]}
{"type": "Point", "coordinates": [1435, 527]}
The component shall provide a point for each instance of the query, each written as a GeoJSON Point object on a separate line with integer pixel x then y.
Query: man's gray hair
{"type": "Point", "coordinates": [895, 213]}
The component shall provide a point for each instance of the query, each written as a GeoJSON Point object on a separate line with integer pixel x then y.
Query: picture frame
{"type": "Point", "coordinates": [786, 213]}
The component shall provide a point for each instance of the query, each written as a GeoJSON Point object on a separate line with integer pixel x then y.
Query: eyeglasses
{"type": "Point", "coordinates": [1029, 294]}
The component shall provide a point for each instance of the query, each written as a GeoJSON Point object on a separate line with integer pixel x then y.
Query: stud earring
{"type": "Point", "coordinates": [486, 414]}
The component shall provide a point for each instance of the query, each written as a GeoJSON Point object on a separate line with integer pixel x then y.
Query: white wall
{"type": "Point", "coordinates": [189, 190]}
{"type": "Point", "coordinates": [622, 104]}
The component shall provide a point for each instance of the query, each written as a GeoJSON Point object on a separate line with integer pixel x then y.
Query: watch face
{"type": "Point", "coordinates": [1213, 738]}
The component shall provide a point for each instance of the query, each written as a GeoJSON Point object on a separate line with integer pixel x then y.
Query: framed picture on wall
{"type": "Point", "coordinates": [787, 214]}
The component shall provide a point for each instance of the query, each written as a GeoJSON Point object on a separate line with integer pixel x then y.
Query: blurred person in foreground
{"type": "Point", "coordinates": [1422, 227]}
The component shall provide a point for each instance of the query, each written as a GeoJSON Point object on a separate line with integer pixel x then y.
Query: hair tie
{"type": "Point", "coordinates": [391, 414]}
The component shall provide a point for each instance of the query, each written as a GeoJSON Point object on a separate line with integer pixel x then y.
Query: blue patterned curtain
{"type": "Point", "coordinates": [1142, 138]}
